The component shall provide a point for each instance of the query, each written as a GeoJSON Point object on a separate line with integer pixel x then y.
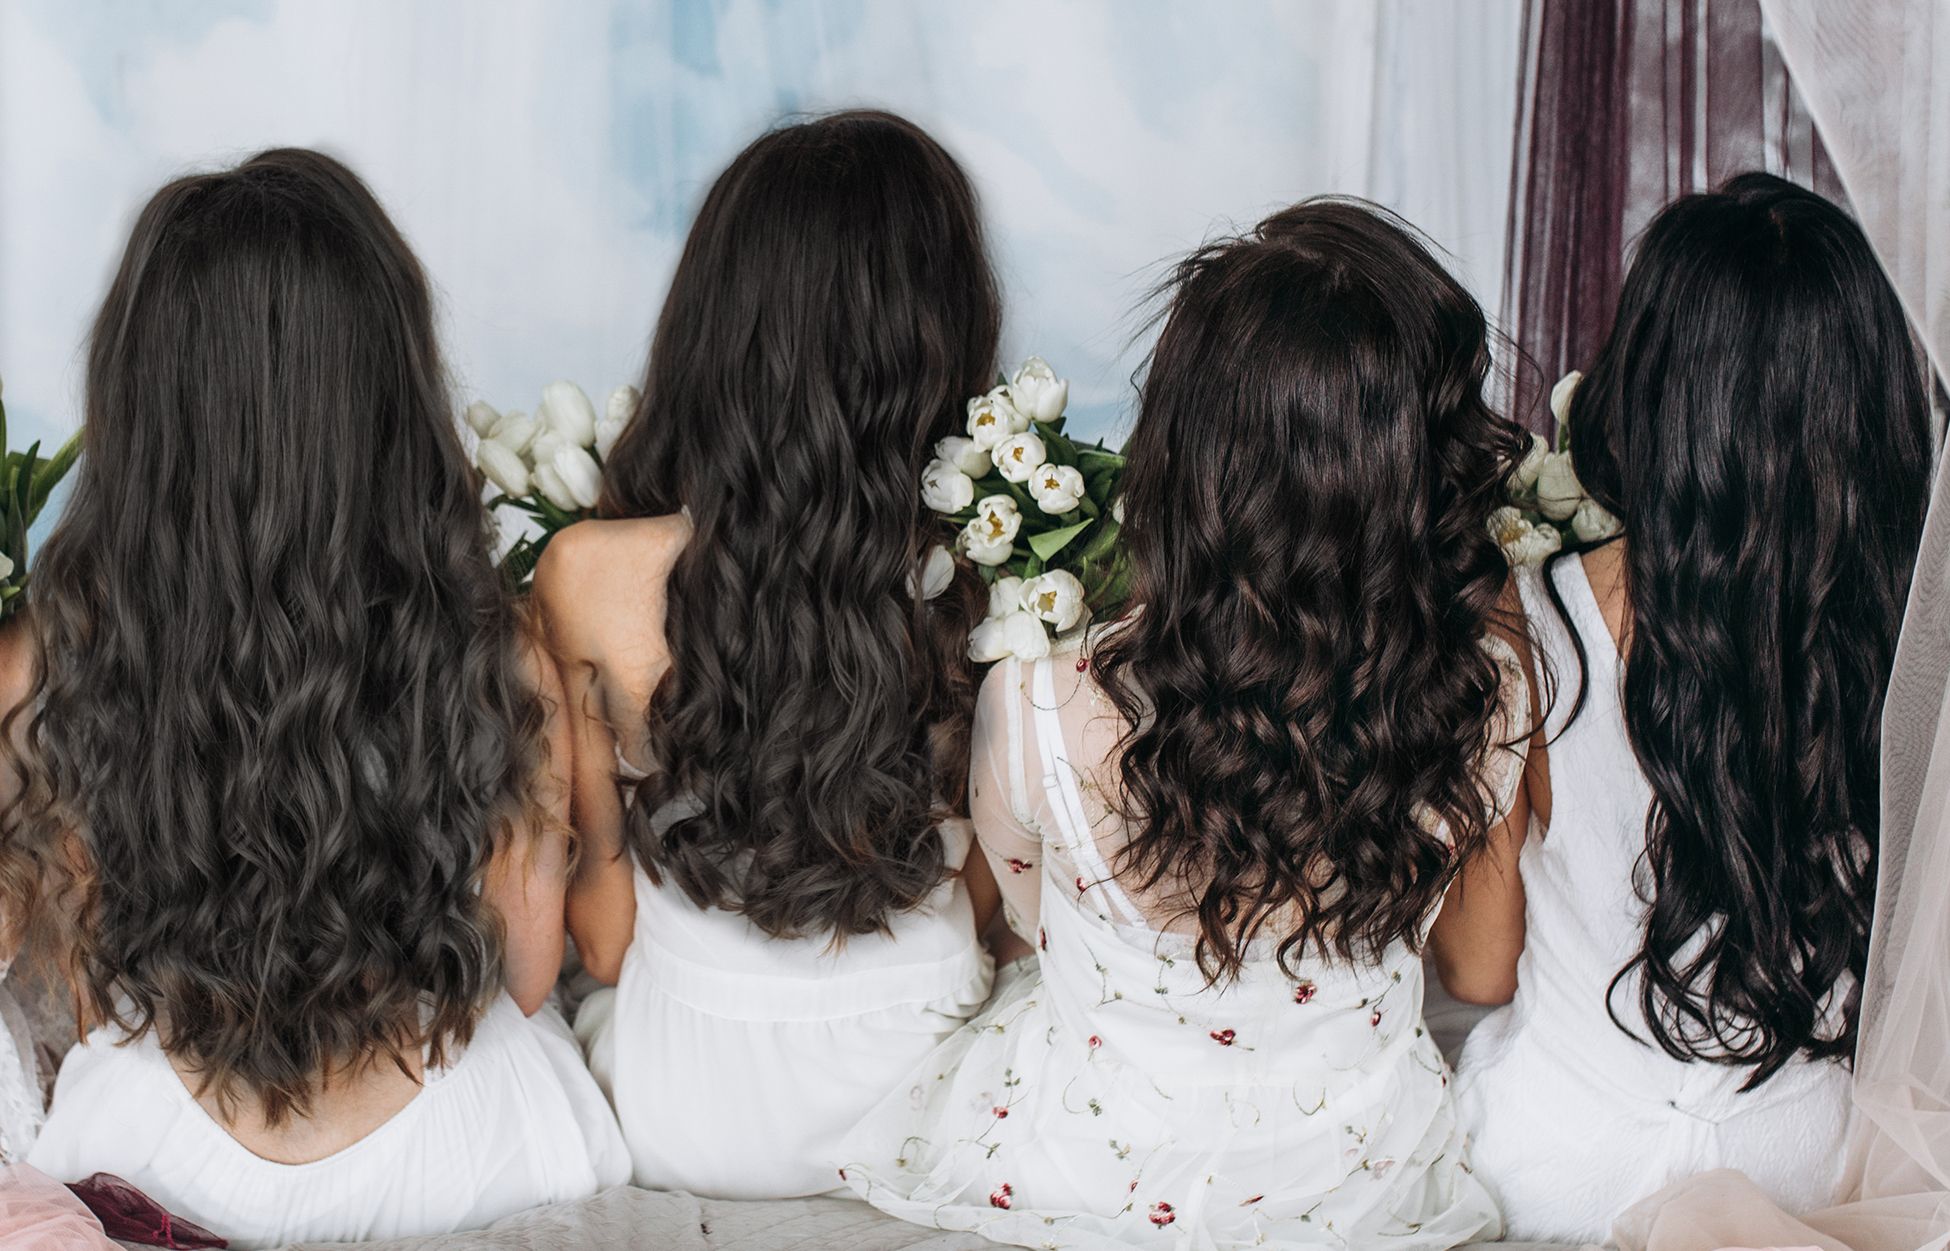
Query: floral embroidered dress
{"type": "Point", "coordinates": [1111, 1097]}
{"type": "Point", "coordinates": [20, 1090]}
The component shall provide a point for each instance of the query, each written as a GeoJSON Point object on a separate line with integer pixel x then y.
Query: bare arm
{"type": "Point", "coordinates": [1479, 934]}
{"type": "Point", "coordinates": [526, 879]}
{"type": "Point", "coordinates": [602, 893]}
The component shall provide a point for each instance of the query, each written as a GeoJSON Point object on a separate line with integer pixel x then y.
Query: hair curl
{"type": "Point", "coordinates": [280, 708]}
{"type": "Point", "coordinates": [1757, 420]}
{"type": "Point", "coordinates": [833, 308]}
{"type": "Point", "coordinates": [1308, 482]}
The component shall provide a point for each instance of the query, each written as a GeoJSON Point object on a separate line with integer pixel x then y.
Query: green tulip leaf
{"type": "Point", "coordinates": [1047, 544]}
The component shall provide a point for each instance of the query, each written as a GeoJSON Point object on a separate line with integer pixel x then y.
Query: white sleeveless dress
{"type": "Point", "coordinates": [513, 1122]}
{"type": "Point", "coordinates": [1111, 1098]}
{"type": "Point", "coordinates": [1572, 1120]}
{"type": "Point", "coordinates": [20, 1088]}
{"type": "Point", "coordinates": [735, 1060]}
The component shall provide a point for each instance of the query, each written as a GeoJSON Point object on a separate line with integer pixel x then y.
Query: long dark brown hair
{"type": "Point", "coordinates": [1309, 478]}
{"type": "Point", "coordinates": [282, 715]}
{"type": "Point", "coordinates": [1757, 420]}
{"type": "Point", "coordinates": [833, 308]}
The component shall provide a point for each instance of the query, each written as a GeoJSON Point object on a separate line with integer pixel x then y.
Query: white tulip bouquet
{"type": "Point", "coordinates": [1036, 511]}
{"type": "Point", "coordinates": [1547, 504]}
{"type": "Point", "coordinates": [546, 469]}
{"type": "Point", "coordinates": [26, 480]}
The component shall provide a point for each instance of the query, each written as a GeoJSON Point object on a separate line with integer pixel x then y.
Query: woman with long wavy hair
{"type": "Point", "coordinates": [1686, 938]}
{"type": "Point", "coordinates": [768, 674]}
{"type": "Point", "coordinates": [1236, 809]}
{"type": "Point", "coordinates": [291, 769]}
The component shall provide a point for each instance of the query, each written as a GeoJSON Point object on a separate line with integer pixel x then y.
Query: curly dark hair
{"type": "Point", "coordinates": [1757, 420]}
{"type": "Point", "coordinates": [280, 705]}
{"type": "Point", "coordinates": [833, 308]}
{"type": "Point", "coordinates": [1309, 479]}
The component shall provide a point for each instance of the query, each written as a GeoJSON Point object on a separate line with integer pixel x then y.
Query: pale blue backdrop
{"type": "Point", "coordinates": [545, 158]}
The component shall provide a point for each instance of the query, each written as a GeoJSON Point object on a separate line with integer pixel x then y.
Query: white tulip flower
{"type": "Point", "coordinates": [481, 417]}
{"type": "Point", "coordinates": [1593, 522]}
{"type": "Point", "coordinates": [1524, 476]}
{"type": "Point", "coordinates": [937, 574]}
{"type": "Point", "coordinates": [1522, 542]}
{"type": "Point", "coordinates": [1561, 395]}
{"type": "Point", "coordinates": [1018, 634]}
{"type": "Point", "coordinates": [515, 431]}
{"type": "Point", "coordinates": [1037, 392]}
{"type": "Point", "coordinates": [503, 467]}
{"type": "Point", "coordinates": [990, 538]}
{"type": "Point", "coordinates": [1019, 456]}
{"type": "Point", "coordinates": [1117, 510]}
{"type": "Point", "coordinates": [1005, 596]}
{"type": "Point", "coordinates": [566, 410]}
{"type": "Point", "coordinates": [964, 454]}
{"type": "Point", "coordinates": [992, 418]}
{"type": "Point", "coordinates": [945, 488]}
{"type": "Point", "coordinates": [617, 412]}
{"type": "Point", "coordinates": [1558, 490]}
{"type": "Point", "coordinates": [1057, 488]}
{"type": "Point", "coordinates": [1055, 597]}
{"type": "Point", "coordinates": [6, 566]}
{"type": "Point", "coordinates": [570, 479]}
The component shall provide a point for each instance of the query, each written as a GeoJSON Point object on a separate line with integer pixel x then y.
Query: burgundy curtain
{"type": "Point", "coordinates": [1624, 105]}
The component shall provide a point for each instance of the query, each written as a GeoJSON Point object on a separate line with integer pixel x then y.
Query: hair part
{"type": "Point", "coordinates": [280, 708]}
{"type": "Point", "coordinates": [833, 309]}
{"type": "Point", "coordinates": [1300, 662]}
{"type": "Point", "coordinates": [1757, 420]}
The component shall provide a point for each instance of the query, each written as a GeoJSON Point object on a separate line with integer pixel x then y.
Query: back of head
{"type": "Point", "coordinates": [281, 698]}
{"type": "Point", "coordinates": [1757, 420]}
{"type": "Point", "coordinates": [833, 308]}
{"type": "Point", "coordinates": [1305, 500]}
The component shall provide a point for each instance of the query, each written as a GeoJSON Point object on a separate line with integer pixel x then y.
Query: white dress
{"type": "Point", "coordinates": [512, 1122]}
{"type": "Point", "coordinates": [20, 1088]}
{"type": "Point", "coordinates": [736, 1060]}
{"type": "Point", "coordinates": [1112, 1098]}
{"type": "Point", "coordinates": [1572, 1119]}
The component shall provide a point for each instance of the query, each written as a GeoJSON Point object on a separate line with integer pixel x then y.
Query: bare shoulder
{"type": "Point", "coordinates": [17, 653]}
{"type": "Point", "coordinates": [603, 581]}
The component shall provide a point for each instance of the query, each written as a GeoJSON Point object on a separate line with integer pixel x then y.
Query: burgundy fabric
{"type": "Point", "coordinates": [1624, 105]}
{"type": "Point", "coordinates": [131, 1216]}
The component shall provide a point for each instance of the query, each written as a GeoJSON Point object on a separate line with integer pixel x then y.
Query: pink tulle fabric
{"type": "Point", "coordinates": [37, 1211]}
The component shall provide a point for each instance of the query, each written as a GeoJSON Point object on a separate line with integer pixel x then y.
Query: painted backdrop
{"type": "Point", "coordinates": [545, 158]}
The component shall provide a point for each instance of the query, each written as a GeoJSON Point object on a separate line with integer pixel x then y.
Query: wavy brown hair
{"type": "Point", "coordinates": [1309, 478]}
{"type": "Point", "coordinates": [1757, 420]}
{"type": "Point", "coordinates": [833, 308]}
{"type": "Point", "coordinates": [281, 709]}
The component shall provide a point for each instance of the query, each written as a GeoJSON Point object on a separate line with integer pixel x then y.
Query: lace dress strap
{"type": "Point", "coordinates": [1066, 799]}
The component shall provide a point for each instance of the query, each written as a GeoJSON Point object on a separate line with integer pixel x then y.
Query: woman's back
{"type": "Point", "coordinates": [290, 757]}
{"type": "Point", "coordinates": [735, 1059]}
{"type": "Point", "coordinates": [1535, 1075]}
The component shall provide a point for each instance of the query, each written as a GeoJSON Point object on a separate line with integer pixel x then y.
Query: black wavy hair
{"type": "Point", "coordinates": [1757, 420]}
{"type": "Point", "coordinates": [281, 717]}
{"type": "Point", "coordinates": [1308, 483]}
{"type": "Point", "coordinates": [833, 308]}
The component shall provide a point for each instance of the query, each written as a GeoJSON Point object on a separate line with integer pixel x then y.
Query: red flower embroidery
{"type": "Point", "coordinates": [1375, 1020]}
{"type": "Point", "coordinates": [1095, 1042]}
{"type": "Point", "coordinates": [1304, 992]}
{"type": "Point", "coordinates": [842, 1174]}
{"type": "Point", "coordinates": [1080, 886]}
{"type": "Point", "coordinates": [1133, 1189]}
{"type": "Point", "coordinates": [1246, 1203]}
{"type": "Point", "coordinates": [1002, 1196]}
{"type": "Point", "coordinates": [1083, 662]}
{"type": "Point", "coordinates": [1017, 866]}
{"type": "Point", "coordinates": [1001, 1113]}
{"type": "Point", "coordinates": [1223, 1037]}
{"type": "Point", "coordinates": [1042, 939]}
{"type": "Point", "coordinates": [1162, 1215]}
